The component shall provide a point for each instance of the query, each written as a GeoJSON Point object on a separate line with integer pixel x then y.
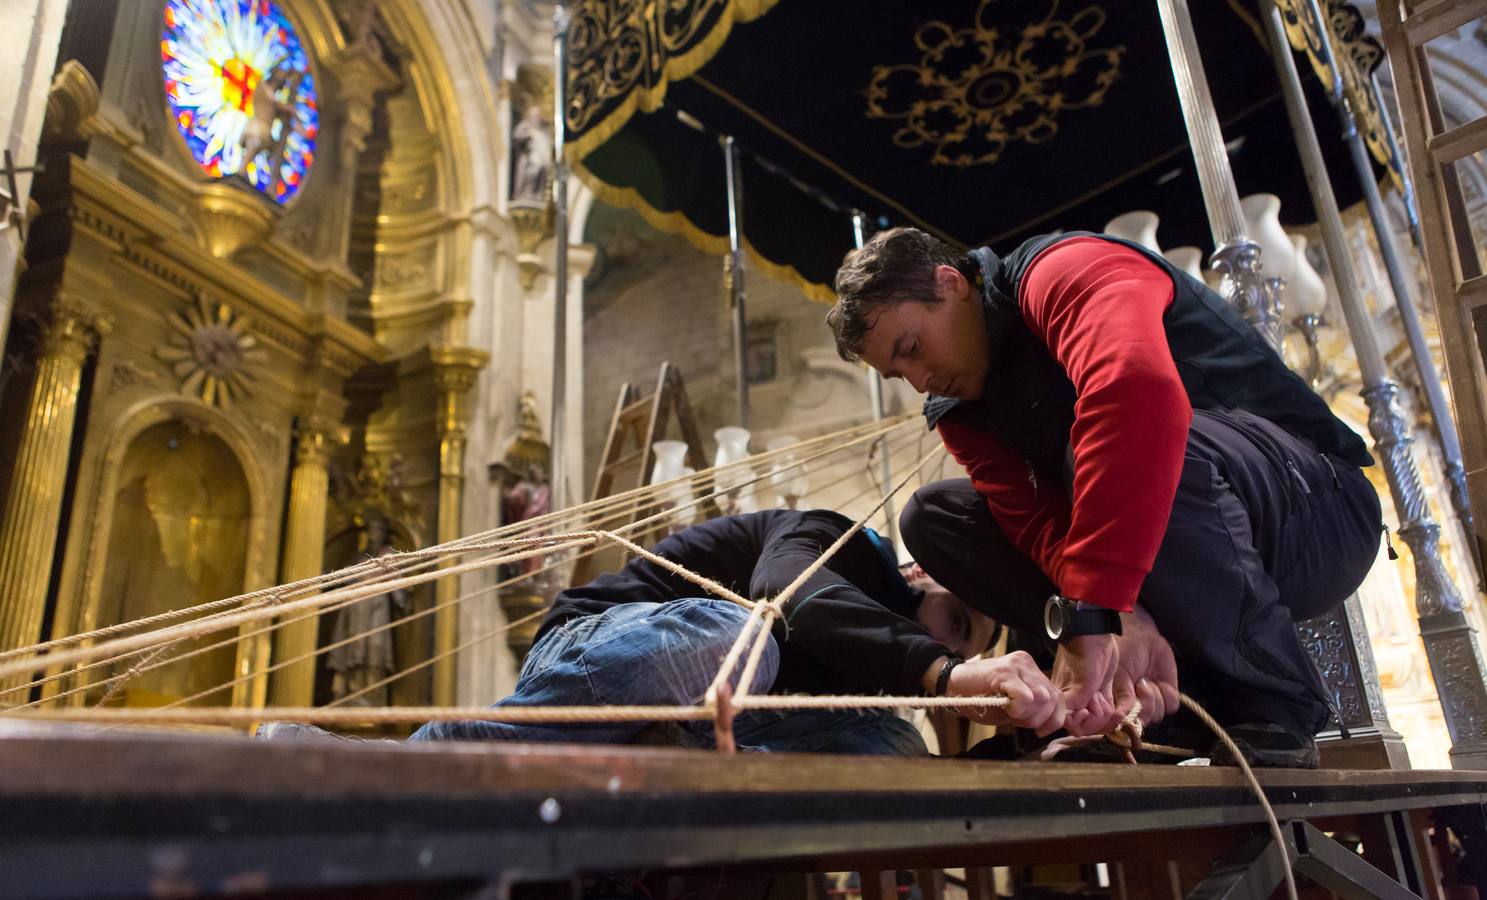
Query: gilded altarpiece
{"type": "Point", "coordinates": [229, 297]}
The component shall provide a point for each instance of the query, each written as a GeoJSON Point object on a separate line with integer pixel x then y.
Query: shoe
{"type": "Point", "coordinates": [1269, 746]}
{"type": "Point", "coordinates": [298, 731]}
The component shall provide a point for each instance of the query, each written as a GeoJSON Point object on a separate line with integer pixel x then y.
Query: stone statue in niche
{"type": "Point", "coordinates": [363, 30]}
{"type": "Point", "coordinates": [526, 493]}
{"type": "Point", "coordinates": [362, 663]}
{"type": "Point", "coordinates": [532, 151]}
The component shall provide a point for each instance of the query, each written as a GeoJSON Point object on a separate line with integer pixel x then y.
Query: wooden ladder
{"type": "Point", "coordinates": [1446, 241]}
{"type": "Point", "coordinates": [638, 422]}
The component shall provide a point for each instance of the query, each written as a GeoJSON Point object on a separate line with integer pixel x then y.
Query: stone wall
{"type": "Point", "coordinates": [653, 297]}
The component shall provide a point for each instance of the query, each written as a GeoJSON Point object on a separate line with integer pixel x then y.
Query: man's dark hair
{"type": "Point", "coordinates": [896, 266]}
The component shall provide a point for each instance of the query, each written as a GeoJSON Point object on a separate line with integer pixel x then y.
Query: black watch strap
{"type": "Point", "coordinates": [1066, 619]}
{"type": "Point", "coordinates": [1086, 618]}
{"type": "Point", "coordinates": [942, 681]}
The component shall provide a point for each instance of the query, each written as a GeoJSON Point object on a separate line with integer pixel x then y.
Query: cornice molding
{"type": "Point", "coordinates": [157, 244]}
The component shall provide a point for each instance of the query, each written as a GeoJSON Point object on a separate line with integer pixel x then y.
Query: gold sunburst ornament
{"type": "Point", "coordinates": [977, 89]}
{"type": "Point", "coordinates": [212, 350]}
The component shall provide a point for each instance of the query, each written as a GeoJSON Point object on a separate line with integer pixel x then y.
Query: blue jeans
{"type": "Point", "coordinates": [666, 654]}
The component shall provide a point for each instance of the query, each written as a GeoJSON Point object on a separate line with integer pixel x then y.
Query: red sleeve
{"type": "Point", "coordinates": [1098, 306]}
{"type": "Point", "coordinates": [1034, 516]}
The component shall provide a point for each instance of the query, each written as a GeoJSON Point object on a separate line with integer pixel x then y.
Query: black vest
{"type": "Point", "coordinates": [1223, 361]}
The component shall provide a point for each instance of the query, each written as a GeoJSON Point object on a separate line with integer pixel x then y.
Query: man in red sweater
{"type": "Point", "coordinates": [1149, 485]}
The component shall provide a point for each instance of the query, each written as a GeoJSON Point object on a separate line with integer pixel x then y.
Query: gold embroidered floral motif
{"type": "Point", "coordinates": [977, 89]}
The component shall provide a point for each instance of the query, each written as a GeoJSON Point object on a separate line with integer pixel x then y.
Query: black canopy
{"type": "Point", "coordinates": [984, 123]}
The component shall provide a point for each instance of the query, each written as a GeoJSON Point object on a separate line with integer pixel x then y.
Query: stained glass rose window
{"type": "Point", "coordinates": [239, 86]}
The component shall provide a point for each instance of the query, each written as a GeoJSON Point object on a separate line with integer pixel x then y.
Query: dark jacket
{"type": "Point", "coordinates": [851, 626]}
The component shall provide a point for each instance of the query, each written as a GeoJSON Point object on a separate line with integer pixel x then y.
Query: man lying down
{"type": "Point", "coordinates": [861, 624]}
{"type": "Point", "coordinates": [645, 636]}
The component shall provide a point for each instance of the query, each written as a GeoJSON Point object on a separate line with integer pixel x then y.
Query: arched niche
{"type": "Point", "coordinates": [178, 537]}
{"type": "Point", "coordinates": [350, 541]}
{"type": "Point", "coordinates": [84, 603]}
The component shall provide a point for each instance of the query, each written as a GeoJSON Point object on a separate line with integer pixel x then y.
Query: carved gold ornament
{"type": "Point", "coordinates": [212, 350]}
{"type": "Point", "coordinates": [977, 89]}
{"type": "Point", "coordinates": [1360, 54]}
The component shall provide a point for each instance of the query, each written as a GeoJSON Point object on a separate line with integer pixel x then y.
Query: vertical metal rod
{"type": "Point", "coordinates": [560, 259]}
{"type": "Point", "coordinates": [1404, 300]}
{"type": "Point", "coordinates": [1459, 681]}
{"type": "Point", "coordinates": [735, 274]}
{"type": "Point", "coordinates": [1235, 254]}
{"type": "Point", "coordinates": [1386, 122]}
{"type": "Point", "coordinates": [1259, 300]}
{"type": "Point", "coordinates": [1220, 196]}
{"type": "Point", "coordinates": [875, 397]}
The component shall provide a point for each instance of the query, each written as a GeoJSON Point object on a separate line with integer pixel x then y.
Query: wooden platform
{"type": "Point", "coordinates": [119, 813]}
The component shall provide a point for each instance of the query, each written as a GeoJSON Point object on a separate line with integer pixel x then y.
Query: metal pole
{"type": "Point", "coordinates": [1337, 640]}
{"type": "Point", "coordinates": [875, 397]}
{"type": "Point", "coordinates": [1386, 122]}
{"type": "Point", "coordinates": [734, 273]}
{"type": "Point", "coordinates": [1404, 300]}
{"type": "Point", "coordinates": [1258, 298]}
{"type": "Point", "coordinates": [1458, 677]}
{"type": "Point", "coordinates": [560, 258]}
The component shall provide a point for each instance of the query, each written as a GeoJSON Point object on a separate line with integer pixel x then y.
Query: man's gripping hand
{"type": "Point", "coordinates": [1147, 670]}
{"type": "Point", "coordinates": [1084, 673]}
{"type": "Point", "coordinates": [1032, 700]}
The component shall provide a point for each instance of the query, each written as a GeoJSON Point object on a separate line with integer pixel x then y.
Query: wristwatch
{"type": "Point", "coordinates": [942, 681]}
{"type": "Point", "coordinates": [1065, 619]}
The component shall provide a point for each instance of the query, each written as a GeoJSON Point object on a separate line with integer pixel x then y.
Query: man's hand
{"type": "Point", "coordinates": [1084, 673]}
{"type": "Point", "coordinates": [1032, 700]}
{"type": "Point", "coordinates": [1147, 670]}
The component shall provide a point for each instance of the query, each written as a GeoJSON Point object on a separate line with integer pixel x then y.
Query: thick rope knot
{"type": "Point", "coordinates": [1127, 734]}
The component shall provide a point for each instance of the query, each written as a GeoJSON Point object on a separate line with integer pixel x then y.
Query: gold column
{"type": "Point", "coordinates": [455, 369]}
{"type": "Point", "coordinates": [28, 533]}
{"type": "Point", "coordinates": [304, 557]}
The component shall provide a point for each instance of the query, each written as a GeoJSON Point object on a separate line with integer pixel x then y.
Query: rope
{"type": "Point", "coordinates": [1254, 786]}
{"type": "Point", "coordinates": [394, 715]}
{"type": "Point", "coordinates": [474, 542]}
{"type": "Point", "coordinates": [501, 629]}
{"type": "Point", "coordinates": [857, 434]}
{"type": "Point", "coordinates": [194, 629]}
{"type": "Point", "coordinates": [116, 682]}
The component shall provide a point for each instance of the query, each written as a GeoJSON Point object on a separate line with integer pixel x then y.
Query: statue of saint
{"type": "Point", "coordinates": [363, 30]}
{"type": "Point", "coordinates": [526, 493]}
{"type": "Point", "coordinates": [532, 148]}
{"type": "Point", "coordinates": [364, 662]}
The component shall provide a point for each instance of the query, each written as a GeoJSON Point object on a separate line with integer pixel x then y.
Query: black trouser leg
{"type": "Point", "coordinates": [1264, 531]}
{"type": "Point", "coordinates": [950, 532]}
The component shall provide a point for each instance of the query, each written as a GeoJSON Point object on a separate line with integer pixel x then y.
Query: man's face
{"type": "Point", "coordinates": [939, 348]}
{"type": "Point", "coordinates": [950, 620]}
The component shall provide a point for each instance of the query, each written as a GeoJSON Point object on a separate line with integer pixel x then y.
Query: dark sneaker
{"type": "Point", "coordinates": [1269, 746]}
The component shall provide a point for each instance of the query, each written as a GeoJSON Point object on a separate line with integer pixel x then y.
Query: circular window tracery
{"type": "Point", "coordinates": [239, 86]}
